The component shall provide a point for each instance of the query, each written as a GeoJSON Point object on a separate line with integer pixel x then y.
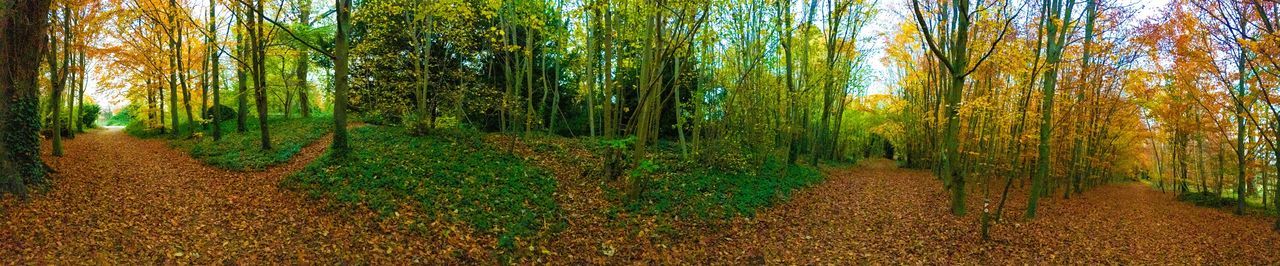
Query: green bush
{"type": "Point", "coordinates": [1207, 199]}
{"type": "Point", "coordinates": [124, 117]}
{"type": "Point", "coordinates": [451, 175]}
{"type": "Point", "coordinates": [140, 130]}
{"type": "Point", "coordinates": [89, 115]}
{"type": "Point", "coordinates": [224, 113]}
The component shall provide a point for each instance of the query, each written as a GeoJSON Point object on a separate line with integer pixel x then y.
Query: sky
{"type": "Point", "coordinates": [877, 31]}
{"type": "Point", "coordinates": [895, 11]}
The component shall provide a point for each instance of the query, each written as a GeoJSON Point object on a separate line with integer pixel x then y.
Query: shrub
{"type": "Point", "coordinates": [124, 117]}
{"type": "Point", "coordinates": [1207, 199]}
{"type": "Point", "coordinates": [89, 115]}
{"type": "Point", "coordinates": [224, 113]}
{"type": "Point", "coordinates": [140, 130]}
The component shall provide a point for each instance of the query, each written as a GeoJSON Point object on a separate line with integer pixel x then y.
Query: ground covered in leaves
{"type": "Point", "coordinates": [118, 199]}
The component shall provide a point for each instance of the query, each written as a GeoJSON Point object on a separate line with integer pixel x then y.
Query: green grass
{"type": "Point", "coordinates": [709, 194]}
{"type": "Point", "coordinates": [1207, 199]}
{"type": "Point", "coordinates": [242, 151]}
{"type": "Point", "coordinates": [452, 176]}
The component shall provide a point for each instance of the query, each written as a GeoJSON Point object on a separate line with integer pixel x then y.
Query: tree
{"type": "Point", "coordinates": [956, 61]}
{"type": "Point", "coordinates": [22, 27]}
{"type": "Point", "coordinates": [1058, 25]}
{"type": "Point", "coordinates": [242, 78]}
{"type": "Point", "coordinates": [340, 144]}
{"type": "Point", "coordinates": [215, 70]}
{"type": "Point", "coordinates": [304, 58]}
{"type": "Point", "coordinates": [58, 77]}
{"type": "Point", "coordinates": [661, 41]}
{"type": "Point", "coordinates": [258, 53]}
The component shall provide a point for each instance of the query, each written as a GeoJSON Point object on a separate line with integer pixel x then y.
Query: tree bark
{"type": "Point", "coordinates": [216, 71]}
{"type": "Point", "coordinates": [340, 146]}
{"type": "Point", "coordinates": [242, 95]}
{"type": "Point", "coordinates": [23, 27]}
{"type": "Point", "coordinates": [304, 101]}
{"type": "Point", "coordinates": [260, 74]}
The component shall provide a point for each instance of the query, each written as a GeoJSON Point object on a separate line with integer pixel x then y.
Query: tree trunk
{"type": "Point", "coordinates": [242, 95]}
{"type": "Point", "coordinates": [304, 101]}
{"type": "Point", "coordinates": [173, 70]}
{"type": "Point", "coordinates": [260, 74]}
{"type": "Point", "coordinates": [216, 71]}
{"type": "Point", "coordinates": [340, 146]}
{"type": "Point", "coordinates": [23, 28]}
{"type": "Point", "coordinates": [593, 20]}
{"type": "Point", "coordinates": [186, 91]}
{"type": "Point", "coordinates": [58, 78]}
{"type": "Point", "coordinates": [1057, 35]}
{"type": "Point", "coordinates": [80, 95]}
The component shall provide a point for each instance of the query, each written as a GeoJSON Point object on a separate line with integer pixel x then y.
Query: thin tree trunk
{"type": "Point", "coordinates": [340, 139]}
{"type": "Point", "coordinates": [216, 71]}
{"type": "Point", "coordinates": [260, 74]}
{"type": "Point", "coordinates": [58, 77]}
{"type": "Point", "coordinates": [186, 91]}
{"type": "Point", "coordinates": [304, 101]}
{"type": "Point", "coordinates": [80, 95]}
{"type": "Point", "coordinates": [1057, 34]}
{"type": "Point", "coordinates": [173, 70]}
{"type": "Point", "coordinates": [242, 84]}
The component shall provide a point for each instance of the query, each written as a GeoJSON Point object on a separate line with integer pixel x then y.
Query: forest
{"type": "Point", "coordinates": [639, 132]}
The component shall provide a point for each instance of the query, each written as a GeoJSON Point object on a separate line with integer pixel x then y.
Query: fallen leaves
{"type": "Point", "coordinates": [120, 200]}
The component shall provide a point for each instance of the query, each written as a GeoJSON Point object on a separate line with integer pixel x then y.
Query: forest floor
{"type": "Point", "coordinates": [118, 199]}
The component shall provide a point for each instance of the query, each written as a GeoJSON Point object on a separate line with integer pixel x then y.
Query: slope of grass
{"type": "Point", "coordinates": [452, 176]}
{"type": "Point", "coordinates": [242, 151]}
{"type": "Point", "coordinates": [706, 193]}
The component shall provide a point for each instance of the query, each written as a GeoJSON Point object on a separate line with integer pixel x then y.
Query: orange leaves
{"type": "Point", "coordinates": [132, 201]}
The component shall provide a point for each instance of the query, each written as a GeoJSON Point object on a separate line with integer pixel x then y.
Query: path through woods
{"type": "Point", "coordinates": [121, 199]}
{"type": "Point", "coordinates": [125, 200]}
{"type": "Point", "coordinates": [883, 214]}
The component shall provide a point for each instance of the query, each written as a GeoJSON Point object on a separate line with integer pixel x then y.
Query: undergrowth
{"type": "Point", "coordinates": [715, 185]}
{"type": "Point", "coordinates": [450, 175]}
{"type": "Point", "coordinates": [710, 194]}
{"type": "Point", "coordinates": [242, 151]}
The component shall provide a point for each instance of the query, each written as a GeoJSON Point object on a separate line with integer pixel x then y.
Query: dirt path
{"type": "Point", "coordinates": [118, 199]}
{"type": "Point", "coordinates": [901, 216]}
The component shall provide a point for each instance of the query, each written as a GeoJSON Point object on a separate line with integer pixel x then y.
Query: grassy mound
{"type": "Point", "coordinates": [707, 193]}
{"type": "Point", "coordinates": [241, 151]}
{"type": "Point", "coordinates": [452, 176]}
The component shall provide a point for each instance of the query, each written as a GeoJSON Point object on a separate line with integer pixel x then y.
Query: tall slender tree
{"type": "Point", "coordinates": [954, 59]}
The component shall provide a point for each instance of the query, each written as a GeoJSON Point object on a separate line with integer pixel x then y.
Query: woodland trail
{"type": "Point", "coordinates": [122, 200]}
{"type": "Point", "coordinates": [890, 215]}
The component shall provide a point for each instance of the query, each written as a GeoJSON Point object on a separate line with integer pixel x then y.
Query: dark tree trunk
{"type": "Point", "coordinates": [22, 40]}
